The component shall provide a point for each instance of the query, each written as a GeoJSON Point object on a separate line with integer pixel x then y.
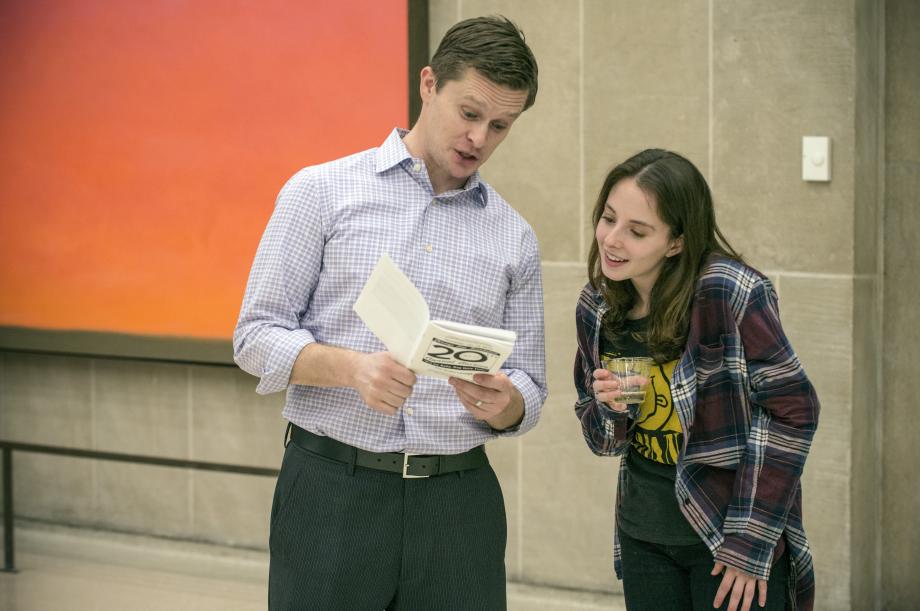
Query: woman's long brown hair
{"type": "Point", "coordinates": [684, 204]}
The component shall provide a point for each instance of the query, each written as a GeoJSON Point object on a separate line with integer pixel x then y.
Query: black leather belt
{"type": "Point", "coordinates": [407, 464]}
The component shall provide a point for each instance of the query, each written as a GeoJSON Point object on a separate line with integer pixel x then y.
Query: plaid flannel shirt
{"type": "Point", "coordinates": [748, 413]}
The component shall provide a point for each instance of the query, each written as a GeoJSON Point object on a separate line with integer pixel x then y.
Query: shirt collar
{"type": "Point", "coordinates": [393, 152]}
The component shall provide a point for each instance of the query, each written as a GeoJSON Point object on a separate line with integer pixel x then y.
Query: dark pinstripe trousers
{"type": "Point", "coordinates": [345, 538]}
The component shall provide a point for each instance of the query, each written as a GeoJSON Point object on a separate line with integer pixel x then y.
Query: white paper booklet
{"type": "Point", "coordinates": [393, 308]}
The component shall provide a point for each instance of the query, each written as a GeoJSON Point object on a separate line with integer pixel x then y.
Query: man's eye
{"type": "Point", "coordinates": [469, 115]}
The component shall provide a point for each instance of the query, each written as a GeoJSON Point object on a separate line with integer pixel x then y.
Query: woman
{"type": "Point", "coordinates": [709, 504]}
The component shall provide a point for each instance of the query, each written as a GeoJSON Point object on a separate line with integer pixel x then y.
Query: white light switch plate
{"type": "Point", "coordinates": [816, 158]}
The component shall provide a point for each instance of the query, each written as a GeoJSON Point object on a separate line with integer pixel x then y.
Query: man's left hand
{"type": "Point", "coordinates": [492, 398]}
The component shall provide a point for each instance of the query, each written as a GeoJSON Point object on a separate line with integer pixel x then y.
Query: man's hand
{"type": "Point", "coordinates": [492, 398]}
{"type": "Point", "coordinates": [606, 389]}
{"type": "Point", "coordinates": [741, 585]}
{"type": "Point", "coordinates": [383, 383]}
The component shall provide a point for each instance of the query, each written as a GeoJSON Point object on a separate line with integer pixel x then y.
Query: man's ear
{"type": "Point", "coordinates": [428, 83]}
{"type": "Point", "coordinates": [677, 246]}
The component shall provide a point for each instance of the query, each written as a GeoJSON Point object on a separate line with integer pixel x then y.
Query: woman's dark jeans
{"type": "Point", "coordinates": [677, 577]}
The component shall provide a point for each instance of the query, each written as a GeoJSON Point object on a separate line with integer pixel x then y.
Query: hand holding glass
{"type": "Point", "coordinates": [633, 376]}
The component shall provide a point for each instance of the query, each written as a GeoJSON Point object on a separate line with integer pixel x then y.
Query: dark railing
{"type": "Point", "coordinates": [8, 447]}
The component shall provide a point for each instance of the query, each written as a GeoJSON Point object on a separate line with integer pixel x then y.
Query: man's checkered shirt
{"type": "Point", "coordinates": [472, 256]}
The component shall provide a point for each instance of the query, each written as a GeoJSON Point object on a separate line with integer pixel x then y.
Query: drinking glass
{"type": "Point", "coordinates": [633, 374]}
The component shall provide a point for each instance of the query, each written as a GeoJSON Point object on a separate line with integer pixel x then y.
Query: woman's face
{"type": "Point", "coordinates": [632, 239]}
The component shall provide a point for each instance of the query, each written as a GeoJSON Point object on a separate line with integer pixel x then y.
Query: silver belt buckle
{"type": "Point", "coordinates": [405, 471]}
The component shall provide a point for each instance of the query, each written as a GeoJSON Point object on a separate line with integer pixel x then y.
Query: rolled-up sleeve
{"type": "Point", "coordinates": [268, 335]}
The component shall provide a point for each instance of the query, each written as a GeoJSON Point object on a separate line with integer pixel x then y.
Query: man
{"type": "Point", "coordinates": [351, 528]}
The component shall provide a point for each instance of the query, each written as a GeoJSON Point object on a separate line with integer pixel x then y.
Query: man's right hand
{"type": "Point", "coordinates": [383, 383]}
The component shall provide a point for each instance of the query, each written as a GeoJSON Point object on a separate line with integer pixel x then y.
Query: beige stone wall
{"type": "Point", "coordinates": [901, 384]}
{"type": "Point", "coordinates": [734, 85]}
{"type": "Point", "coordinates": [176, 411]}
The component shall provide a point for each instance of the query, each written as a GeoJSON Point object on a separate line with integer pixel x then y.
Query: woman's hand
{"type": "Point", "coordinates": [741, 585]}
{"type": "Point", "coordinates": [606, 389]}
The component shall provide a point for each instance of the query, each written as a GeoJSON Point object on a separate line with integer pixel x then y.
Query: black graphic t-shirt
{"type": "Point", "coordinates": [648, 508]}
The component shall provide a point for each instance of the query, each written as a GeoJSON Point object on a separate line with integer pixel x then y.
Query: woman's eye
{"type": "Point", "coordinates": [638, 234]}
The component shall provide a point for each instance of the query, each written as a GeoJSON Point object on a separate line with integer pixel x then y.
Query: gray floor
{"type": "Point", "coordinates": [78, 570]}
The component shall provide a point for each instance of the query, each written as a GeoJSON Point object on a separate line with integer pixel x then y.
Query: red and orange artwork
{"type": "Point", "coordinates": [143, 145]}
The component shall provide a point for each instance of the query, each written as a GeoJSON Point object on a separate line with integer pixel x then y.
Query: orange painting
{"type": "Point", "coordinates": [143, 145]}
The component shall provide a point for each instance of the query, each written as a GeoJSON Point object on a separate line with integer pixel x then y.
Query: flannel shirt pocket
{"type": "Point", "coordinates": [708, 362]}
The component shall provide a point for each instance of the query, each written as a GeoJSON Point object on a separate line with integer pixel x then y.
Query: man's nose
{"type": "Point", "coordinates": [477, 134]}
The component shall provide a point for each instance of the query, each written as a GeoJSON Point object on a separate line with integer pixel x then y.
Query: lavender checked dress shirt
{"type": "Point", "coordinates": [472, 256]}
